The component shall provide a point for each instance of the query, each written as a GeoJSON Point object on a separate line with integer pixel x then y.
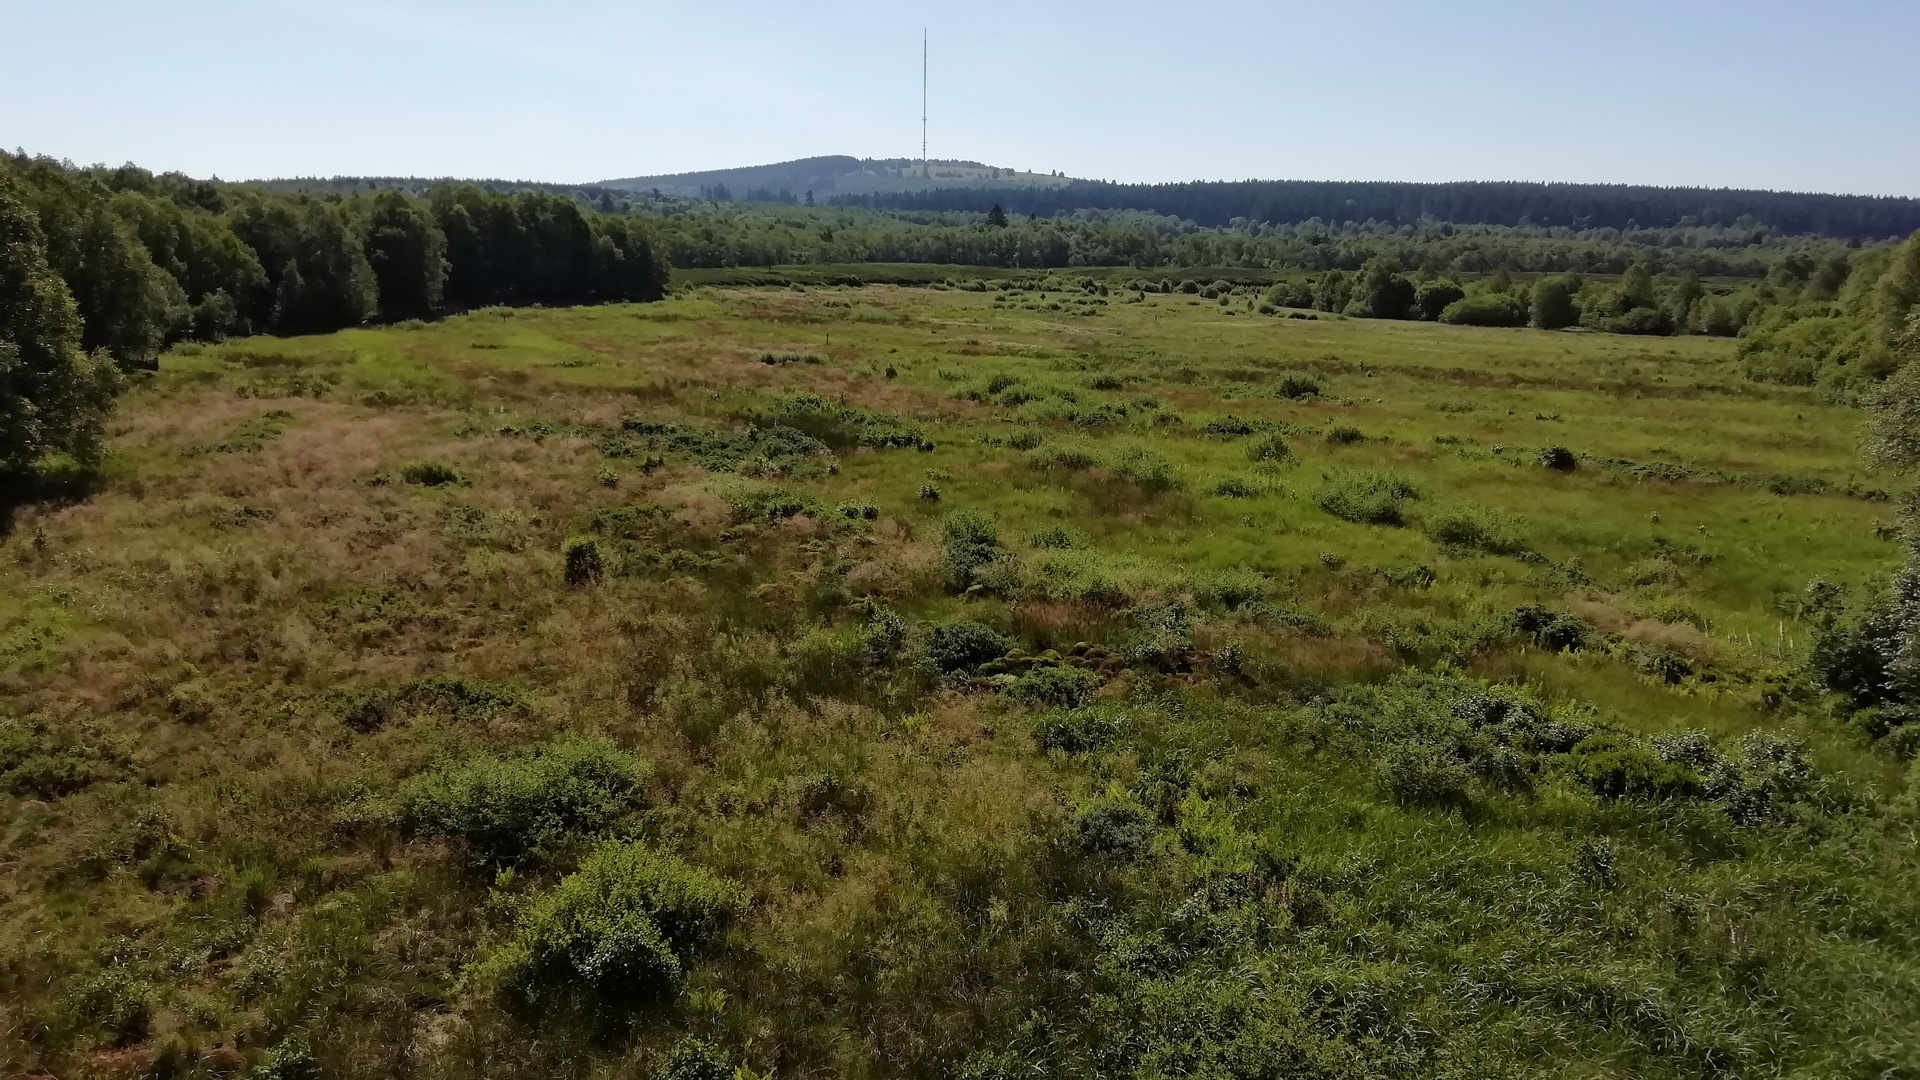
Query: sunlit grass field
{"type": "Point", "coordinates": [1277, 550]}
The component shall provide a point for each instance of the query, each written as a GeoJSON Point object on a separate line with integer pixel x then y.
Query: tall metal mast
{"type": "Point", "coordinates": [923, 99]}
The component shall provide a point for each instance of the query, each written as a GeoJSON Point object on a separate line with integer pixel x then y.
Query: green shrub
{"type": "Point", "coordinates": [117, 1001]}
{"type": "Point", "coordinates": [1559, 459]}
{"type": "Point", "coordinates": [624, 926]}
{"type": "Point", "coordinates": [1466, 527]}
{"type": "Point", "coordinates": [431, 474]}
{"type": "Point", "coordinates": [37, 764]}
{"type": "Point", "coordinates": [458, 698]}
{"type": "Point", "coordinates": [1366, 497]}
{"type": "Point", "coordinates": [1027, 439]}
{"type": "Point", "coordinates": [1613, 768]}
{"type": "Point", "coordinates": [1271, 447]}
{"type": "Point", "coordinates": [1234, 487]}
{"type": "Point", "coordinates": [970, 542]}
{"type": "Point", "coordinates": [1486, 309]}
{"type": "Point", "coordinates": [505, 807]}
{"type": "Point", "coordinates": [1054, 537]}
{"type": "Point", "coordinates": [1549, 629]}
{"type": "Point", "coordinates": [1058, 687]}
{"type": "Point", "coordinates": [1295, 387]}
{"type": "Point", "coordinates": [1422, 774]}
{"type": "Point", "coordinates": [1345, 435]}
{"type": "Point", "coordinates": [694, 1059]}
{"type": "Point", "coordinates": [1148, 469]}
{"type": "Point", "coordinates": [1065, 455]}
{"type": "Point", "coordinates": [965, 645]}
{"type": "Point", "coordinates": [1113, 830]}
{"type": "Point", "coordinates": [1077, 731]}
{"type": "Point", "coordinates": [584, 563]}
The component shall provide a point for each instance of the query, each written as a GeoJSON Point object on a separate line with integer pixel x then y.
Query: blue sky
{"type": "Point", "coordinates": [1800, 96]}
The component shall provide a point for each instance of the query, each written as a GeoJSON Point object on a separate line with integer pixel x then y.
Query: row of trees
{"type": "Point", "coordinates": [1583, 206]}
{"type": "Point", "coordinates": [1637, 303]}
{"type": "Point", "coordinates": [735, 234]}
{"type": "Point", "coordinates": [101, 269]}
{"type": "Point", "coordinates": [152, 259]}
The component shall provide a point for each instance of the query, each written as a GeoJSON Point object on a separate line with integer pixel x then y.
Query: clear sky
{"type": "Point", "coordinates": [1804, 96]}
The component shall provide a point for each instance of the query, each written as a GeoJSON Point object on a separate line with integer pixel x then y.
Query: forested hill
{"type": "Point", "coordinates": [825, 177]}
{"type": "Point", "coordinates": [1582, 206]}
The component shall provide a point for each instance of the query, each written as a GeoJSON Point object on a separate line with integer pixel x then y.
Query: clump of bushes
{"type": "Point", "coordinates": [1295, 387]}
{"type": "Point", "coordinates": [1345, 435]}
{"type": "Point", "coordinates": [970, 542]}
{"type": "Point", "coordinates": [624, 926]}
{"type": "Point", "coordinates": [1119, 831]}
{"type": "Point", "coordinates": [1422, 774]}
{"type": "Point", "coordinates": [456, 697]}
{"type": "Point", "coordinates": [1613, 767]}
{"type": "Point", "coordinates": [1148, 469]}
{"type": "Point", "coordinates": [583, 561]}
{"type": "Point", "coordinates": [1486, 309]}
{"type": "Point", "coordinates": [1065, 455]}
{"type": "Point", "coordinates": [1055, 687]}
{"type": "Point", "coordinates": [431, 474]}
{"type": "Point", "coordinates": [1464, 527]}
{"type": "Point", "coordinates": [1365, 496]}
{"type": "Point", "coordinates": [1077, 731]}
{"type": "Point", "coordinates": [504, 807]}
{"type": "Point", "coordinates": [1269, 448]}
{"type": "Point", "coordinates": [1553, 630]}
{"type": "Point", "coordinates": [1559, 459]}
{"type": "Point", "coordinates": [965, 645]}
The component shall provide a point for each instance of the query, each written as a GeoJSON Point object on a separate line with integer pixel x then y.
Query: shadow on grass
{"type": "Point", "coordinates": [53, 485]}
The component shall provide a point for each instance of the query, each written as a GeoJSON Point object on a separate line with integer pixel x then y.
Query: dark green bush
{"type": "Point", "coordinates": [1113, 830]}
{"type": "Point", "coordinates": [694, 1059]}
{"type": "Point", "coordinates": [1435, 297]}
{"type": "Point", "coordinates": [1149, 469]}
{"type": "Point", "coordinates": [1486, 309]}
{"type": "Point", "coordinates": [505, 807]}
{"type": "Point", "coordinates": [1077, 731]}
{"type": "Point", "coordinates": [1559, 459]}
{"type": "Point", "coordinates": [431, 474]}
{"type": "Point", "coordinates": [1422, 774]}
{"type": "Point", "coordinates": [624, 926]}
{"type": "Point", "coordinates": [1549, 629]}
{"type": "Point", "coordinates": [1345, 435]}
{"type": "Point", "coordinates": [584, 563]}
{"type": "Point", "coordinates": [1297, 386]}
{"type": "Point", "coordinates": [457, 698]}
{"type": "Point", "coordinates": [970, 542]}
{"type": "Point", "coordinates": [116, 1001]}
{"type": "Point", "coordinates": [965, 645]}
{"type": "Point", "coordinates": [1613, 767]}
{"type": "Point", "coordinates": [38, 764]}
{"type": "Point", "coordinates": [1059, 687]}
{"type": "Point", "coordinates": [1271, 447]}
{"type": "Point", "coordinates": [1366, 497]}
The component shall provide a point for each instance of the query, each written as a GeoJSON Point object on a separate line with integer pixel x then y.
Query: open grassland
{"type": "Point", "coordinates": [889, 682]}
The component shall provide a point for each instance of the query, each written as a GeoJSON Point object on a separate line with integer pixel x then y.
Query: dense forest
{"type": "Point", "coordinates": [153, 259]}
{"type": "Point", "coordinates": [1580, 206]}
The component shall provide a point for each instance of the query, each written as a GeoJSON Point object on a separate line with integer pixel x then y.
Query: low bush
{"type": "Point", "coordinates": [1149, 470]}
{"type": "Point", "coordinates": [505, 807]}
{"type": "Point", "coordinates": [583, 561]}
{"type": "Point", "coordinates": [1422, 774]}
{"type": "Point", "coordinates": [1485, 309]}
{"type": "Point", "coordinates": [970, 542]}
{"type": "Point", "coordinates": [1113, 830]}
{"type": "Point", "coordinates": [1295, 387]}
{"type": "Point", "coordinates": [1056, 687]}
{"type": "Point", "coordinates": [1064, 455]}
{"type": "Point", "coordinates": [965, 645]}
{"type": "Point", "coordinates": [1271, 447]}
{"type": "Point", "coordinates": [1465, 527]}
{"type": "Point", "coordinates": [1559, 459]}
{"type": "Point", "coordinates": [624, 926]}
{"type": "Point", "coordinates": [1366, 497]}
{"type": "Point", "coordinates": [431, 474]}
{"type": "Point", "coordinates": [1077, 731]}
{"type": "Point", "coordinates": [1345, 435]}
{"type": "Point", "coordinates": [694, 1059]}
{"type": "Point", "coordinates": [1613, 767]}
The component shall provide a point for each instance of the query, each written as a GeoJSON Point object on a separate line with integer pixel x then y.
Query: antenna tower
{"type": "Point", "coordinates": [923, 100]}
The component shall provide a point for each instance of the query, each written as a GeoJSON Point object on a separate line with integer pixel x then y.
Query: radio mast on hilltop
{"type": "Point", "coordinates": [923, 100]}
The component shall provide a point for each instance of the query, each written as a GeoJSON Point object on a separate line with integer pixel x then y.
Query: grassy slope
{"type": "Point", "coordinates": [201, 624]}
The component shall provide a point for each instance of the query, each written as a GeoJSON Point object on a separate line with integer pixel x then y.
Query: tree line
{"type": "Point", "coordinates": [101, 269]}
{"type": "Point", "coordinates": [1580, 206]}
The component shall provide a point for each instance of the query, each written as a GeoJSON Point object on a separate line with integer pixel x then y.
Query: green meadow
{"type": "Point", "coordinates": [1039, 679]}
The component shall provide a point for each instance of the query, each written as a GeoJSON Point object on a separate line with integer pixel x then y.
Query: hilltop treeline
{"type": "Point", "coordinates": [150, 259]}
{"type": "Point", "coordinates": [729, 234]}
{"type": "Point", "coordinates": [1579, 206]}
